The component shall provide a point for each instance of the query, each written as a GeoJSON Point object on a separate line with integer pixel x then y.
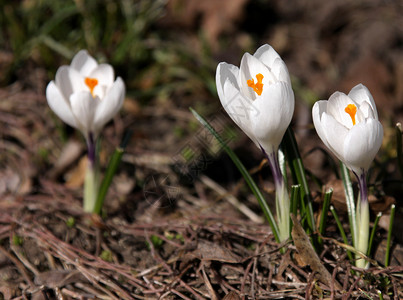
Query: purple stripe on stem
{"type": "Point", "coordinates": [91, 149]}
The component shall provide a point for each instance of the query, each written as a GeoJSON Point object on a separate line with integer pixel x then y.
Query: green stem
{"type": "Point", "coordinates": [91, 184]}
{"type": "Point", "coordinates": [362, 220]}
{"type": "Point", "coordinates": [298, 172]}
{"type": "Point", "coordinates": [282, 198]}
{"type": "Point", "coordinates": [349, 193]}
{"type": "Point", "coordinates": [91, 181]}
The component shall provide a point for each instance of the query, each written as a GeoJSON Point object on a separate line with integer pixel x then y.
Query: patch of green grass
{"type": "Point", "coordinates": [106, 255]}
{"type": "Point", "coordinates": [17, 240]}
{"type": "Point", "coordinates": [70, 222]}
{"type": "Point", "coordinates": [156, 241]}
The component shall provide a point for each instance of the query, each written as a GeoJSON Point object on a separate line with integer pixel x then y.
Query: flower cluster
{"type": "Point", "coordinates": [258, 97]}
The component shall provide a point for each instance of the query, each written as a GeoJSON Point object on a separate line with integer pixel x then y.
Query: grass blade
{"type": "Point", "coordinates": [399, 147]}
{"type": "Point", "coordinates": [110, 173]}
{"type": "Point", "coordinates": [295, 190]}
{"type": "Point", "coordinates": [343, 234]}
{"type": "Point", "coordinates": [388, 244]}
{"type": "Point", "coordinates": [298, 172]}
{"type": "Point", "coordinates": [371, 238]}
{"type": "Point", "coordinates": [251, 183]}
{"type": "Point", "coordinates": [325, 210]}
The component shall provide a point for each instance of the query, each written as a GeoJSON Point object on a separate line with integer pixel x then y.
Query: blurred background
{"type": "Point", "coordinates": [167, 52]}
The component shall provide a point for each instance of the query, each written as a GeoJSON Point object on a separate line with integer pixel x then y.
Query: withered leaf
{"type": "Point", "coordinates": [210, 251]}
{"type": "Point", "coordinates": [309, 256]}
{"type": "Point", "coordinates": [232, 296]}
{"type": "Point", "coordinates": [58, 278]}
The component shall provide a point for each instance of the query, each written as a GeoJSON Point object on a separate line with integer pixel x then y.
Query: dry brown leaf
{"type": "Point", "coordinates": [59, 278]}
{"type": "Point", "coordinates": [132, 106]}
{"type": "Point", "coordinates": [309, 256]}
{"type": "Point", "coordinates": [232, 296]}
{"type": "Point", "coordinates": [76, 178]}
{"type": "Point", "coordinates": [211, 251]}
{"type": "Point", "coordinates": [70, 153]}
{"type": "Point", "coordinates": [215, 17]}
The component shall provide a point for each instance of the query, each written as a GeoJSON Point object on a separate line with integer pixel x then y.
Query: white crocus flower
{"type": "Point", "coordinates": [348, 125]}
{"type": "Point", "coordinates": [85, 95]}
{"type": "Point", "coordinates": [258, 96]}
{"type": "Point", "coordinates": [259, 99]}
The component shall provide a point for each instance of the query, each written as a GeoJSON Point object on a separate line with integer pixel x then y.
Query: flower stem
{"type": "Point", "coordinates": [91, 182]}
{"type": "Point", "coordinates": [282, 198]}
{"type": "Point", "coordinates": [362, 220]}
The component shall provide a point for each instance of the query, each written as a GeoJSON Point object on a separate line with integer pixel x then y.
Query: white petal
{"type": "Point", "coordinates": [360, 94]}
{"type": "Point", "coordinates": [83, 63]}
{"type": "Point", "coordinates": [362, 144]}
{"type": "Point", "coordinates": [320, 108]}
{"type": "Point", "coordinates": [366, 110]}
{"type": "Point", "coordinates": [335, 134]}
{"type": "Point", "coordinates": [69, 81]}
{"type": "Point", "coordinates": [58, 103]}
{"type": "Point", "coordinates": [280, 71]}
{"type": "Point", "coordinates": [104, 73]}
{"type": "Point", "coordinates": [250, 67]}
{"type": "Point", "coordinates": [267, 55]}
{"type": "Point", "coordinates": [275, 109]}
{"type": "Point", "coordinates": [239, 108]}
{"type": "Point", "coordinates": [226, 72]}
{"type": "Point", "coordinates": [110, 105]}
{"type": "Point", "coordinates": [84, 106]}
{"type": "Point", "coordinates": [336, 107]}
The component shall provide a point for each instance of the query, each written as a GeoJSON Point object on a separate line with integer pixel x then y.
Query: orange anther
{"type": "Point", "coordinates": [351, 109]}
{"type": "Point", "coordinates": [91, 83]}
{"type": "Point", "coordinates": [257, 87]}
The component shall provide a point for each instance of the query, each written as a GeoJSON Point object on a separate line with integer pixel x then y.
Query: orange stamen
{"type": "Point", "coordinates": [91, 83]}
{"type": "Point", "coordinates": [258, 86]}
{"type": "Point", "coordinates": [351, 109]}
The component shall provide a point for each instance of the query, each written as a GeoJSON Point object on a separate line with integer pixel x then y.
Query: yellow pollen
{"type": "Point", "coordinates": [91, 83]}
{"type": "Point", "coordinates": [258, 86]}
{"type": "Point", "coordinates": [351, 109]}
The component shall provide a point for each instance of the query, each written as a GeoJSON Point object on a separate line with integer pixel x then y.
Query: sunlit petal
{"type": "Point", "coordinates": [249, 69]}
{"type": "Point", "coordinates": [360, 94]}
{"type": "Point", "coordinates": [59, 104]}
{"type": "Point", "coordinates": [83, 63]}
{"type": "Point", "coordinates": [104, 73]}
{"type": "Point", "coordinates": [83, 106]}
{"type": "Point", "coordinates": [110, 105]}
{"type": "Point", "coordinates": [275, 110]}
{"type": "Point", "coordinates": [362, 143]}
